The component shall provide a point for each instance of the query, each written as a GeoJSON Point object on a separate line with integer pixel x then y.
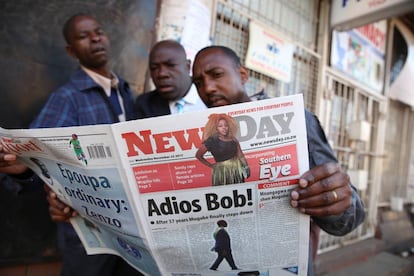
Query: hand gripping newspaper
{"type": "Point", "coordinates": [201, 193]}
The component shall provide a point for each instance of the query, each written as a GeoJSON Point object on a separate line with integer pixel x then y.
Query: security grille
{"type": "Point", "coordinates": [296, 20]}
{"type": "Point", "coordinates": [349, 104]}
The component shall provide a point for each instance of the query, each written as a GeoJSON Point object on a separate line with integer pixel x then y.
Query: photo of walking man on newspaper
{"type": "Point", "coordinates": [220, 140]}
{"type": "Point", "coordinates": [222, 246]}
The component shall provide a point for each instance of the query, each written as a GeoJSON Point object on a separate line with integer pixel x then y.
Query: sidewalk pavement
{"type": "Point", "coordinates": [369, 257]}
{"type": "Point", "coordinates": [390, 254]}
{"type": "Point", "coordinates": [381, 264]}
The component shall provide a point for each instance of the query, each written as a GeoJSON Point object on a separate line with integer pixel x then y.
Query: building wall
{"type": "Point", "coordinates": [397, 153]}
{"type": "Point", "coordinates": [32, 49]}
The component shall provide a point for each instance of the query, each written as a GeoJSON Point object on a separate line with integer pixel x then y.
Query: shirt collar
{"type": "Point", "coordinates": [192, 96]}
{"type": "Point", "coordinates": [102, 81]}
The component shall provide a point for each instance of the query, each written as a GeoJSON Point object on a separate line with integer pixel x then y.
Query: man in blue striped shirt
{"type": "Point", "coordinates": [93, 95]}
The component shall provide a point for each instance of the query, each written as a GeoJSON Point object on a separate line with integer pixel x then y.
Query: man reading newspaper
{"type": "Point", "coordinates": [324, 192]}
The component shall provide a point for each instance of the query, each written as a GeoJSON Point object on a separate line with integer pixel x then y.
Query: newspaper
{"type": "Point", "coordinates": [143, 195]}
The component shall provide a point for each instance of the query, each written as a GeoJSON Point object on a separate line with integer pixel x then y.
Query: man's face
{"type": "Point", "coordinates": [88, 43]}
{"type": "Point", "coordinates": [170, 72]}
{"type": "Point", "coordinates": [219, 82]}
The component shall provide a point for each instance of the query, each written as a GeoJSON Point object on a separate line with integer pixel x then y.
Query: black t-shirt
{"type": "Point", "coordinates": [221, 150]}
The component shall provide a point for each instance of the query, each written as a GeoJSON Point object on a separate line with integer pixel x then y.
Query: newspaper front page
{"type": "Point", "coordinates": [143, 195]}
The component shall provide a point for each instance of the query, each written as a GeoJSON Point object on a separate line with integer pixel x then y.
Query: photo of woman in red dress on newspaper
{"type": "Point", "coordinates": [220, 140]}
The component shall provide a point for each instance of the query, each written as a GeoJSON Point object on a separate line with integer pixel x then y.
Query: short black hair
{"type": "Point", "coordinates": [68, 24]}
{"type": "Point", "coordinates": [168, 43]}
{"type": "Point", "coordinates": [222, 223]}
{"type": "Point", "coordinates": [226, 51]}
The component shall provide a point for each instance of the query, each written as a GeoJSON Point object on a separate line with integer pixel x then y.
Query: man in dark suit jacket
{"type": "Point", "coordinates": [170, 73]}
{"type": "Point", "coordinates": [222, 246]}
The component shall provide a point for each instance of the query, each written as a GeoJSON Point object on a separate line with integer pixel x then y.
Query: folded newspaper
{"type": "Point", "coordinates": [142, 193]}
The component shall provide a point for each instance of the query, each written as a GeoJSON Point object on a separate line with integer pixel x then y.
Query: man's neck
{"type": "Point", "coordinates": [185, 94]}
{"type": "Point", "coordinates": [188, 89]}
{"type": "Point", "coordinates": [103, 71]}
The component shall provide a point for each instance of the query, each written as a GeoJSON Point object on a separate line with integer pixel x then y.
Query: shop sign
{"type": "Point", "coordinates": [269, 53]}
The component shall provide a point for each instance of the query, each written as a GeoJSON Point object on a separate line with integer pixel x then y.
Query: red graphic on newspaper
{"type": "Point", "coordinates": [266, 165]}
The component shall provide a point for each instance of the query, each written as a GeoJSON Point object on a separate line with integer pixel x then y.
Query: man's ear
{"type": "Point", "coordinates": [244, 74]}
{"type": "Point", "coordinates": [188, 65]}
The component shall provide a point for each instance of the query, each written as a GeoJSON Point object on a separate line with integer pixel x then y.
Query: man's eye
{"type": "Point", "coordinates": [217, 74]}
